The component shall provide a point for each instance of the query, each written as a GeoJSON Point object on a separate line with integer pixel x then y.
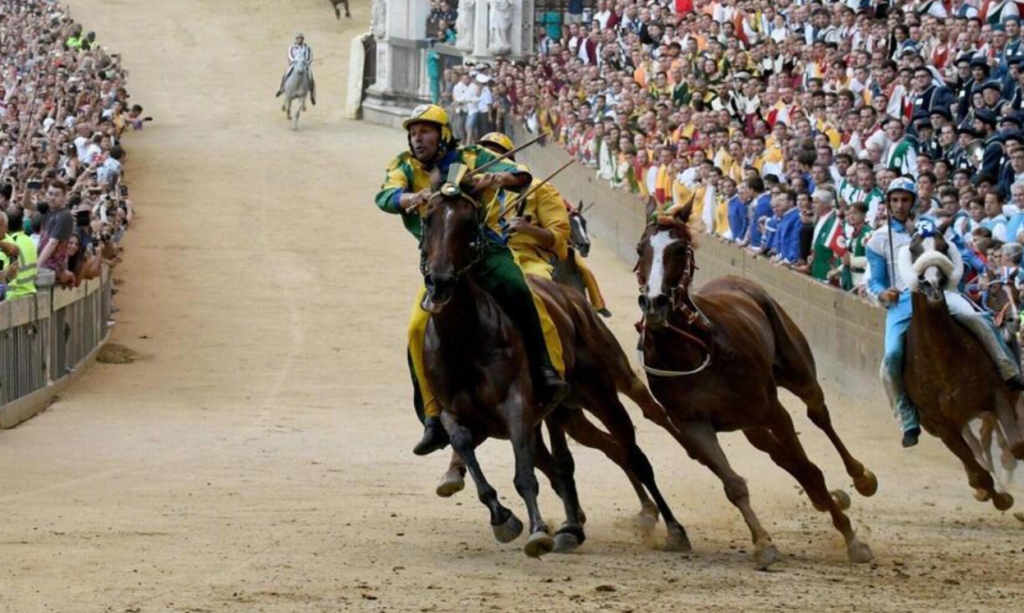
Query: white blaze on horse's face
{"type": "Point", "coordinates": [582, 228]}
{"type": "Point", "coordinates": [659, 244]}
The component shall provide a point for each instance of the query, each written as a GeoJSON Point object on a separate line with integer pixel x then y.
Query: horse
{"type": "Point", "coordinates": [296, 87]}
{"type": "Point", "coordinates": [571, 271]}
{"type": "Point", "coordinates": [477, 363]}
{"type": "Point", "coordinates": [947, 373]}
{"type": "Point", "coordinates": [566, 271]}
{"type": "Point", "coordinates": [715, 359]}
{"type": "Point", "coordinates": [337, 11]}
{"type": "Point", "coordinates": [1002, 299]}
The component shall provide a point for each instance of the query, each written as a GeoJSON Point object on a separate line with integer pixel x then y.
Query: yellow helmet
{"type": "Point", "coordinates": [437, 116]}
{"type": "Point", "coordinates": [499, 139]}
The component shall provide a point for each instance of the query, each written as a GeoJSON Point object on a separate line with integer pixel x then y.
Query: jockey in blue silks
{"type": "Point", "coordinates": [893, 294]}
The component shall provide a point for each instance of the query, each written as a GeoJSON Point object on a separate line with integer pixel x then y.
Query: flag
{"type": "Point", "coordinates": [836, 241]}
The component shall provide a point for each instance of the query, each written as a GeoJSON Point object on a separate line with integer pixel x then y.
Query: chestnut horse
{"type": "Point", "coordinates": [715, 359]}
{"type": "Point", "coordinates": [477, 363]}
{"type": "Point", "coordinates": [947, 373]}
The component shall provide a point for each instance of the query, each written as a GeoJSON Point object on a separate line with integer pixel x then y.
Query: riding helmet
{"type": "Point", "coordinates": [902, 184]}
{"type": "Point", "coordinates": [435, 115]}
{"type": "Point", "coordinates": [498, 139]}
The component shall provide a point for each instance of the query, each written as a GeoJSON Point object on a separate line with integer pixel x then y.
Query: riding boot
{"type": "Point", "coordinates": [434, 437]}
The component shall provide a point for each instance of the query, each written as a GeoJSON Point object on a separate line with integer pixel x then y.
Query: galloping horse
{"type": "Point", "coordinates": [720, 372]}
{"type": "Point", "coordinates": [1003, 300]}
{"type": "Point", "coordinates": [565, 271]}
{"type": "Point", "coordinates": [478, 366]}
{"type": "Point", "coordinates": [948, 375]}
{"type": "Point", "coordinates": [297, 87]}
{"type": "Point", "coordinates": [337, 10]}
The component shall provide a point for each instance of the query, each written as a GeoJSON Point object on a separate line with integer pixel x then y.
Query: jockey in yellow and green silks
{"type": "Point", "coordinates": [407, 188]}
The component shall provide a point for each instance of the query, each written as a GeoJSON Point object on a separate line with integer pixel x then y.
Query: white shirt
{"type": "Point", "coordinates": [483, 103]}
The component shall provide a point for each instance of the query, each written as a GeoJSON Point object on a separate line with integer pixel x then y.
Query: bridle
{"type": "Point", "coordinates": [476, 245]}
{"type": "Point", "coordinates": [680, 302]}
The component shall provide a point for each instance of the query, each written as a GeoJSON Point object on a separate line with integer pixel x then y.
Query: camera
{"type": "Point", "coordinates": [34, 184]}
{"type": "Point", "coordinates": [83, 218]}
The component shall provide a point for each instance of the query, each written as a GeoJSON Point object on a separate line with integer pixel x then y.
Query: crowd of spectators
{"type": "Point", "coordinates": [783, 121]}
{"type": "Point", "coordinates": [63, 111]}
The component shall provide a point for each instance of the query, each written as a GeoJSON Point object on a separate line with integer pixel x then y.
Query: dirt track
{"type": "Point", "coordinates": [257, 458]}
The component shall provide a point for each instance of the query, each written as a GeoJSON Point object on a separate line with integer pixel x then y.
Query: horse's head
{"type": "Point", "coordinates": [452, 243]}
{"type": "Point", "coordinates": [300, 66]}
{"type": "Point", "coordinates": [930, 265]}
{"type": "Point", "coordinates": [578, 231]}
{"type": "Point", "coordinates": [666, 266]}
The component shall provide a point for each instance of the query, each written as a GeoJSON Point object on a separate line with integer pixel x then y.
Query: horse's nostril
{"type": "Point", "coordinates": [643, 302]}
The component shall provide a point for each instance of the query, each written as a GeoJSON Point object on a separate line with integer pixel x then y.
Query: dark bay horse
{"type": "Point", "coordinates": [715, 359]}
{"type": "Point", "coordinates": [477, 363]}
{"type": "Point", "coordinates": [948, 374]}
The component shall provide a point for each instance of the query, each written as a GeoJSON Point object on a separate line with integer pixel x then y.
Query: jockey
{"type": "Point", "coordinates": [406, 190]}
{"type": "Point", "coordinates": [299, 52]}
{"type": "Point", "coordinates": [543, 233]}
{"type": "Point", "coordinates": [901, 198]}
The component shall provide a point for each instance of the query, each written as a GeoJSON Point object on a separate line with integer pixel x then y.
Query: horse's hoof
{"type": "Point", "coordinates": [677, 540]}
{"type": "Point", "coordinates": [509, 530]}
{"type": "Point", "coordinates": [1002, 502]}
{"type": "Point", "coordinates": [980, 495]}
{"type": "Point", "coordinates": [540, 543]}
{"type": "Point", "coordinates": [1018, 450]}
{"type": "Point", "coordinates": [859, 552]}
{"type": "Point", "coordinates": [842, 499]}
{"type": "Point", "coordinates": [566, 542]}
{"type": "Point", "coordinates": [764, 557]}
{"type": "Point", "coordinates": [452, 482]}
{"type": "Point", "coordinates": [645, 523]}
{"type": "Point", "coordinates": [866, 484]}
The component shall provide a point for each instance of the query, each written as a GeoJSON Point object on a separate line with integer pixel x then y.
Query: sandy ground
{"type": "Point", "coordinates": [257, 457]}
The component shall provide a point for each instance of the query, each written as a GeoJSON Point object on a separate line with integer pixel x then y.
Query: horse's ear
{"type": "Point", "coordinates": [435, 179]}
{"type": "Point", "coordinates": [683, 214]}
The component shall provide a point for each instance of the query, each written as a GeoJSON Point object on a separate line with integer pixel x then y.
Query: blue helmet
{"type": "Point", "coordinates": [902, 184]}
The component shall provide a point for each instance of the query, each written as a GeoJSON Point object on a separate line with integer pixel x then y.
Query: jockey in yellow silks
{"type": "Point", "coordinates": [406, 190]}
{"type": "Point", "coordinates": [542, 233]}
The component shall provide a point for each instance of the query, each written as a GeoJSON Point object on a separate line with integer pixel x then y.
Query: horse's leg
{"type": "Point", "coordinates": [524, 444]}
{"type": "Point", "coordinates": [797, 375]}
{"type": "Point", "coordinates": [603, 401]}
{"type": "Point", "coordinates": [348, 13]}
{"type": "Point", "coordinates": [813, 482]}
{"type": "Point", "coordinates": [701, 442]}
{"type": "Point", "coordinates": [570, 535]}
{"type": "Point", "coordinates": [504, 523]}
{"type": "Point", "coordinates": [977, 476]}
{"type": "Point", "coordinates": [288, 107]}
{"type": "Point", "coordinates": [453, 480]}
{"type": "Point", "coordinates": [587, 434]}
{"type": "Point", "coordinates": [1009, 425]}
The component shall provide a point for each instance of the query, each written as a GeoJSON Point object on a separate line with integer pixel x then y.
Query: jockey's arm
{"type": "Point", "coordinates": [878, 278]}
{"type": "Point", "coordinates": [395, 193]}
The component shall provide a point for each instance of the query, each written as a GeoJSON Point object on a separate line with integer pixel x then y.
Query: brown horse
{"type": "Point", "coordinates": [1002, 298]}
{"type": "Point", "coordinates": [477, 364]}
{"type": "Point", "coordinates": [947, 373]}
{"type": "Point", "coordinates": [721, 372]}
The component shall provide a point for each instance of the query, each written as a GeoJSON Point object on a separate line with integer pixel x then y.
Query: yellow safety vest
{"type": "Point", "coordinates": [25, 284]}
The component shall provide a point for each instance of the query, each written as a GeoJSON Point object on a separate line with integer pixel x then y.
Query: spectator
{"type": "Point", "coordinates": [826, 233]}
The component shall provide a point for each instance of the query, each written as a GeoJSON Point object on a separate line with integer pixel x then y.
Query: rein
{"type": "Point", "coordinates": [680, 302]}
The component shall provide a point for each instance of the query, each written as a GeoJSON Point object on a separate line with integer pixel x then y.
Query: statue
{"type": "Point", "coordinates": [464, 25]}
{"type": "Point", "coordinates": [500, 26]}
{"type": "Point", "coordinates": [379, 18]}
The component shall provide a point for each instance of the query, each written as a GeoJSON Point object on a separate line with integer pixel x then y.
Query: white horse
{"type": "Point", "coordinates": [296, 87]}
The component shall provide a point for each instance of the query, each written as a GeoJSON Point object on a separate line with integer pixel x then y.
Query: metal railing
{"type": "Point", "coordinates": [43, 338]}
